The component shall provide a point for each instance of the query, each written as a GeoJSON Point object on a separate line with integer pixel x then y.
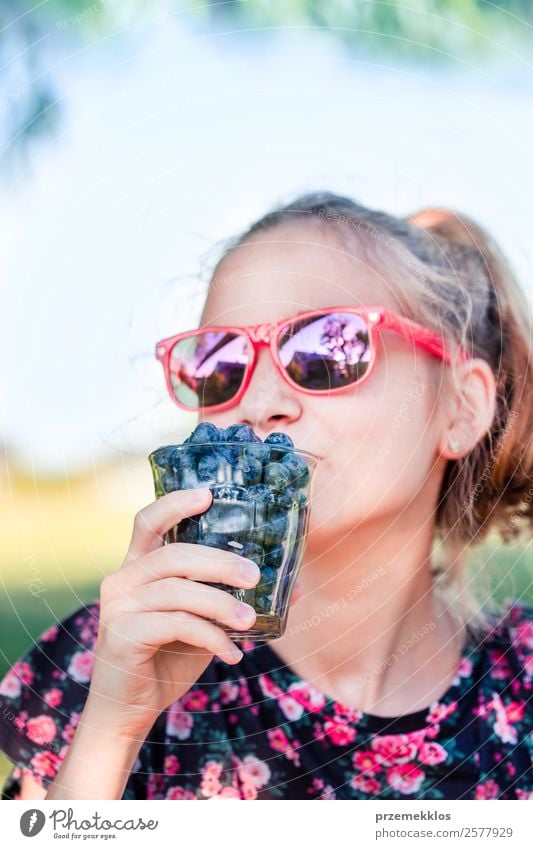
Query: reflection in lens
{"type": "Point", "coordinates": [208, 369]}
{"type": "Point", "coordinates": [326, 351]}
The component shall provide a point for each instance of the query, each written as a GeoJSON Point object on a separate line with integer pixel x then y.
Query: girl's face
{"type": "Point", "coordinates": [376, 443]}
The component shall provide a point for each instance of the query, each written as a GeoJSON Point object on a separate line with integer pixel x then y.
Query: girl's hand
{"type": "Point", "coordinates": [154, 638]}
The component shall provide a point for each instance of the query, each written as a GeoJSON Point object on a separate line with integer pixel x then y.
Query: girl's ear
{"type": "Point", "coordinates": [471, 411]}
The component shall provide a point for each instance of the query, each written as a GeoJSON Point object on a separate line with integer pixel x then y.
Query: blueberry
{"type": "Point", "coordinates": [204, 432]}
{"type": "Point", "coordinates": [253, 552]}
{"type": "Point", "coordinates": [298, 469]}
{"type": "Point", "coordinates": [275, 530]}
{"type": "Point", "coordinates": [257, 450]}
{"type": "Point", "coordinates": [239, 433]}
{"type": "Point", "coordinates": [268, 575]}
{"type": "Point", "coordinates": [187, 531]}
{"type": "Point", "coordinates": [163, 455]}
{"type": "Point", "coordinates": [273, 556]}
{"type": "Point", "coordinates": [168, 481]}
{"type": "Point", "coordinates": [251, 470]}
{"type": "Point", "coordinates": [262, 604]}
{"type": "Point", "coordinates": [207, 468]}
{"type": "Point", "coordinates": [265, 588]}
{"type": "Point", "coordinates": [277, 476]}
{"type": "Point", "coordinates": [279, 439]}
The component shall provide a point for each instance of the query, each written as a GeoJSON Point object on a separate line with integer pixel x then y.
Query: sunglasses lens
{"type": "Point", "coordinates": [208, 369]}
{"type": "Point", "coordinates": [324, 352]}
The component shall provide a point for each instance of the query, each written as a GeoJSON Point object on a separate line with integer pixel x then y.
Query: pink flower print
{"type": "Point", "coordinates": [523, 634]}
{"type": "Point", "coordinates": [10, 685]}
{"type": "Point", "coordinates": [524, 794]}
{"type": "Point", "coordinates": [179, 723]}
{"type": "Point", "coordinates": [212, 769]}
{"type": "Point", "coordinates": [20, 720]}
{"type": "Point", "coordinates": [328, 793]}
{"type": "Point", "coordinates": [50, 634]}
{"type": "Point", "coordinates": [405, 778]}
{"type": "Point", "coordinates": [45, 764]}
{"type": "Point", "coordinates": [393, 749]}
{"type": "Point", "coordinates": [339, 732]}
{"type": "Point", "coordinates": [155, 786]}
{"type": "Point", "coordinates": [431, 753]}
{"type": "Point", "coordinates": [439, 711]}
{"type": "Point", "coordinates": [278, 739]}
{"type": "Point", "coordinates": [502, 726]}
{"type": "Point", "coordinates": [20, 673]}
{"type": "Point", "coordinates": [290, 707]}
{"type": "Point", "coordinates": [307, 695]}
{"type": "Point", "coordinates": [53, 697]}
{"type": "Point", "coordinates": [249, 791]}
{"type": "Point", "coordinates": [210, 785]}
{"type": "Point", "coordinates": [464, 670]}
{"type": "Point", "coordinates": [68, 732]}
{"type": "Point", "coordinates": [465, 667]}
{"type": "Point", "coordinates": [228, 692]}
{"type": "Point", "coordinates": [195, 700]}
{"type": "Point", "coordinates": [366, 761]}
{"type": "Point", "coordinates": [499, 666]}
{"type": "Point", "coordinates": [514, 711]}
{"type": "Point", "coordinates": [227, 792]}
{"type": "Point", "coordinates": [69, 729]}
{"type": "Point", "coordinates": [81, 666]}
{"type": "Point", "coordinates": [268, 688]}
{"type": "Point", "coordinates": [488, 790]}
{"type": "Point", "coordinates": [41, 729]}
{"type": "Point", "coordinates": [348, 714]}
{"type": "Point", "coordinates": [433, 730]}
{"type": "Point", "coordinates": [171, 765]}
{"type": "Point", "coordinates": [317, 784]}
{"type": "Point", "coordinates": [365, 785]}
{"type": "Point", "coordinates": [505, 732]}
{"type": "Point", "coordinates": [179, 793]}
{"type": "Point", "coordinates": [254, 771]}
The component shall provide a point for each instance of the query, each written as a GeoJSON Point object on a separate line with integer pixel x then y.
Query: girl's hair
{"type": "Point", "coordinates": [448, 273]}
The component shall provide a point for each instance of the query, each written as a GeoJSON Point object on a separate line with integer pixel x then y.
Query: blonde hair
{"type": "Point", "coordinates": [452, 276]}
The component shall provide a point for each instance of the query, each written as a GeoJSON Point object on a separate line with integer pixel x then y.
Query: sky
{"type": "Point", "coordinates": [170, 143]}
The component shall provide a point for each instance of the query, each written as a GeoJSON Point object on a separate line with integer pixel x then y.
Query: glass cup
{"type": "Point", "coordinates": [260, 509]}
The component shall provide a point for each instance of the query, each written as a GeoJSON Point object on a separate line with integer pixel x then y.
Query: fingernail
{"type": "Point", "coordinates": [236, 654]}
{"type": "Point", "coordinates": [200, 493]}
{"type": "Point", "coordinates": [244, 611]}
{"type": "Point", "coordinates": [250, 570]}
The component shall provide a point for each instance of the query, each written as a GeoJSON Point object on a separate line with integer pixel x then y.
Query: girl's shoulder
{"type": "Point", "coordinates": [43, 694]}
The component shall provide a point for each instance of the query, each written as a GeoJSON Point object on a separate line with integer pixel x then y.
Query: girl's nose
{"type": "Point", "coordinates": [268, 401]}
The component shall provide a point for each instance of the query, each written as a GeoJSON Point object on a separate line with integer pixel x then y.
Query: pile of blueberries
{"type": "Point", "coordinates": [259, 507]}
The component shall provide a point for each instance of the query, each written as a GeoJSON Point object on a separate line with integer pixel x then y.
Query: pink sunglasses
{"type": "Point", "coordinates": [318, 352]}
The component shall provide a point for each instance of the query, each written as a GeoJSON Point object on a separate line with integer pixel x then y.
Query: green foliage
{"type": "Point", "coordinates": [438, 31]}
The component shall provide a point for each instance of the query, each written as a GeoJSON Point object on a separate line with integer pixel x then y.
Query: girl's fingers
{"type": "Point", "coordinates": [161, 515]}
{"type": "Point", "coordinates": [174, 594]}
{"type": "Point", "coordinates": [130, 632]}
{"type": "Point", "coordinates": [184, 560]}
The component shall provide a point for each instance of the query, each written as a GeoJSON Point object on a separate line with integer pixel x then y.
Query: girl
{"type": "Point", "coordinates": [390, 681]}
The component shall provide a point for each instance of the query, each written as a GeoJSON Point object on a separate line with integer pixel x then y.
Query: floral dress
{"type": "Point", "coordinates": [256, 730]}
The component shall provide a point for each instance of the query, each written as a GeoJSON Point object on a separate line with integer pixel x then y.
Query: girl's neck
{"type": "Point", "coordinates": [370, 630]}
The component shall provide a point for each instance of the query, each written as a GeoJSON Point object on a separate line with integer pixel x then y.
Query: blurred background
{"type": "Point", "coordinates": [135, 136]}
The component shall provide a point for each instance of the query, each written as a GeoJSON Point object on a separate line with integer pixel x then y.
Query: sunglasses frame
{"type": "Point", "coordinates": [267, 333]}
